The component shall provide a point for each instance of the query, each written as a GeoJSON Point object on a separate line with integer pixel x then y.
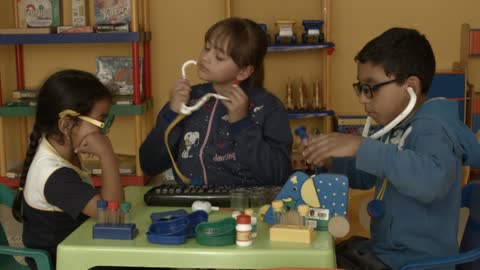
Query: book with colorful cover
{"type": "Point", "coordinates": [38, 13]}
{"type": "Point", "coordinates": [117, 74]}
{"type": "Point", "coordinates": [113, 11]}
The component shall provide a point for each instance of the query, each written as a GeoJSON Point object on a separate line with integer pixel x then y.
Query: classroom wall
{"type": "Point", "coordinates": [178, 26]}
{"type": "Point", "coordinates": [356, 22]}
{"type": "Point", "coordinates": [8, 81]}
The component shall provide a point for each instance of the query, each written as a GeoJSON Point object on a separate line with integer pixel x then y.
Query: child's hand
{"type": "Point", "coordinates": [237, 105]}
{"type": "Point", "coordinates": [95, 143]}
{"type": "Point", "coordinates": [179, 94]}
{"type": "Point", "coordinates": [318, 149]}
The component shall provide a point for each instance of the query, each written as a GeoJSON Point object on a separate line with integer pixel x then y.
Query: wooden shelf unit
{"type": "Point", "coordinates": [141, 109]}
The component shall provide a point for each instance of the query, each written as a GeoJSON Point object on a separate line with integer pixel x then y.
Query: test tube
{"type": "Point", "coordinates": [250, 212]}
{"type": "Point", "coordinates": [113, 214]}
{"type": "Point", "coordinates": [277, 211]}
{"type": "Point", "coordinates": [302, 214]}
{"type": "Point", "coordinates": [102, 212]}
{"type": "Point", "coordinates": [125, 212]}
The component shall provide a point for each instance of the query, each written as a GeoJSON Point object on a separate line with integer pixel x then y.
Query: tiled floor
{"type": "Point", "coordinates": [12, 228]}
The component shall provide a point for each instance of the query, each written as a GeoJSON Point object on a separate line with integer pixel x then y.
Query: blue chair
{"type": "Point", "coordinates": [469, 256]}
{"type": "Point", "coordinates": [7, 261]}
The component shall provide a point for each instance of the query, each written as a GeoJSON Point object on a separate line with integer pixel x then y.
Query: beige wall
{"type": "Point", "coordinates": [356, 22]}
{"type": "Point", "coordinates": [177, 35]}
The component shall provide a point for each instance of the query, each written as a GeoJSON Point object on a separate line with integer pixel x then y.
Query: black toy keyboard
{"type": "Point", "coordinates": [179, 195]}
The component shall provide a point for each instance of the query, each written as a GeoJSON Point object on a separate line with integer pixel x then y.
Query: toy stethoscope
{"type": "Point", "coordinates": [184, 112]}
{"type": "Point", "coordinates": [376, 207]}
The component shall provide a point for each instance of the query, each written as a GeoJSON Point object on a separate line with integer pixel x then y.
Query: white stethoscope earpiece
{"type": "Point", "coordinates": [204, 205]}
{"type": "Point", "coordinates": [184, 109]}
{"type": "Point", "coordinates": [394, 122]}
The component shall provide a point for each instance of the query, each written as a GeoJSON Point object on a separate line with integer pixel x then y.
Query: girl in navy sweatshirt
{"type": "Point", "coordinates": [245, 140]}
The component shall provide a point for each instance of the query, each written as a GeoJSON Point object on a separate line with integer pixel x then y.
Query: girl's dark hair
{"type": "Point", "coordinates": [247, 45]}
{"type": "Point", "coordinates": [67, 89]}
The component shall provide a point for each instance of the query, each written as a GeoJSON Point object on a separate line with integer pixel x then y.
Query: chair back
{"type": "Point", "coordinates": [471, 235]}
{"type": "Point", "coordinates": [7, 195]}
{"type": "Point", "coordinates": [6, 198]}
{"type": "Point", "coordinates": [469, 256]}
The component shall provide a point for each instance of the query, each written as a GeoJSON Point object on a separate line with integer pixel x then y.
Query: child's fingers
{"type": "Point", "coordinates": [239, 91]}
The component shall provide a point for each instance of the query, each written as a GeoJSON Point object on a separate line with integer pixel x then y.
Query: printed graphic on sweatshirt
{"type": "Point", "coordinates": [400, 136]}
{"type": "Point", "coordinates": [191, 139]}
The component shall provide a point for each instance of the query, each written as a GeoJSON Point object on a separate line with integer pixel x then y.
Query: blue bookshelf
{"type": "Point", "coordinates": [73, 38]}
{"type": "Point", "coordinates": [299, 47]}
{"type": "Point", "coordinates": [309, 114]}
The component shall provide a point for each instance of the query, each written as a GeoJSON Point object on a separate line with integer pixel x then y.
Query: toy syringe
{"type": "Point", "coordinates": [301, 132]}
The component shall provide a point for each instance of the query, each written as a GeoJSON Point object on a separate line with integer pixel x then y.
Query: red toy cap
{"type": "Point", "coordinates": [244, 219]}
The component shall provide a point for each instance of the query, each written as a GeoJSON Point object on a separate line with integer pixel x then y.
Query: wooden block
{"type": "Point", "coordinates": [292, 233]}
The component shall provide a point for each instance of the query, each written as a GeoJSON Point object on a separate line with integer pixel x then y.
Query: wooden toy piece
{"type": "Point", "coordinates": [312, 31]}
{"type": "Point", "coordinates": [326, 192]}
{"type": "Point", "coordinates": [262, 211]}
{"type": "Point", "coordinates": [290, 218]}
{"type": "Point", "coordinates": [317, 96]}
{"type": "Point", "coordinates": [292, 233]}
{"type": "Point", "coordinates": [289, 96]}
{"type": "Point", "coordinates": [338, 226]}
{"type": "Point", "coordinates": [285, 32]}
{"type": "Point", "coordinates": [303, 210]}
{"type": "Point", "coordinates": [277, 211]}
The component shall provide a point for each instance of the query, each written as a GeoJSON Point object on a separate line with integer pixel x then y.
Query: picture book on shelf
{"type": "Point", "coordinates": [117, 74]}
{"type": "Point", "coordinates": [113, 11]}
{"type": "Point", "coordinates": [38, 13]}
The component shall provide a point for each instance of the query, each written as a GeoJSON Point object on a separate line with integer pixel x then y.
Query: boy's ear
{"type": "Point", "coordinates": [245, 72]}
{"type": "Point", "coordinates": [414, 82]}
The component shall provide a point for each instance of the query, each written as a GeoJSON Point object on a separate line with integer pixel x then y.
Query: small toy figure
{"type": "Point", "coordinates": [312, 31]}
{"type": "Point", "coordinates": [317, 101]}
{"type": "Point", "coordinates": [289, 97]}
{"type": "Point", "coordinates": [285, 32]}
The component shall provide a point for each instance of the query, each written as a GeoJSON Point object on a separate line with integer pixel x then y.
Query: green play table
{"type": "Point", "coordinates": [79, 251]}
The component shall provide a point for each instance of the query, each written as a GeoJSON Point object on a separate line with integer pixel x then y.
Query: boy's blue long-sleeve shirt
{"type": "Point", "coordinates": [422, 160]}
{"type": "Point", "coordinates": [253, 151]}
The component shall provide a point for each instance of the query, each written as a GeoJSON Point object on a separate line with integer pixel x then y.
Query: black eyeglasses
{"type": "Point", "coordinates": [368, 90]}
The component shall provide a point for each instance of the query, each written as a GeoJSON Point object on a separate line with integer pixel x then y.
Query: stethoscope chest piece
{"type": "Point", "coordinates": [376, 208]}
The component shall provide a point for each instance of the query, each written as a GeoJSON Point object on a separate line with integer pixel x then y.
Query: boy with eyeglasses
{"type": "Point", "coordinates": [415, 167]}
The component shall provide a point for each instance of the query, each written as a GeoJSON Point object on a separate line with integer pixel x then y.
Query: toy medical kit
{"type": "Point", "coordinates": [108, 224]}
{"type": "Point", "coordinates": [325, 194]}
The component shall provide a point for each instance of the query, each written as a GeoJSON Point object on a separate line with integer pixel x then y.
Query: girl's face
{"type": "Point", "coordinates": [216, 66]}
{"type": "Point", "coordinates": [99, 112]}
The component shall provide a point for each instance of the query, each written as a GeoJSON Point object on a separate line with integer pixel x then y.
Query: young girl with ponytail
{"type": "Point", "coordinates": [56, 194]}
